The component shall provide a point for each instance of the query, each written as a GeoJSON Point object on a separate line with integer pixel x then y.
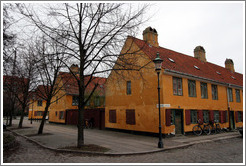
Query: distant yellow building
{"type": "Point", "coordinates": [65, 104]}
{"type": "Point", "coordinates": [191, 89]}
{"type": "Point", "coordinates": [37, 104]}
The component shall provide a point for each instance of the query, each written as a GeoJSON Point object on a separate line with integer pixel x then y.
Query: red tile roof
{"type": "Point", "coordinates": [71, 85]}
{"type": "Point", "coordinates": [186, 64]}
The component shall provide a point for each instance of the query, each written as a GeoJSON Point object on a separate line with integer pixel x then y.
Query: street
{"type": "Point", "coordinates": [223, 151]}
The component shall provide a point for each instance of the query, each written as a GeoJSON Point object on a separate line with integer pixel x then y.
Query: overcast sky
{"type": "Point", "coordinates": [217, 26]}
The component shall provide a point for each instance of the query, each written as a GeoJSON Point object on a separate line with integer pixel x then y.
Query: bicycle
{"type": "Point", "coordinates": [198, 129]}
{"type": "Point", "coordinates": [87, 124]}
{"type": "Point", "coordinates": [214, 127]}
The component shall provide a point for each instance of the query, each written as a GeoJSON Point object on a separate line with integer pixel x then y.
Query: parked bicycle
{"type": "Point", "coordinates": [214, 127]}
{"type": "Point", "coordinates": [198, 129]}
{"type": "Point", "coordinates": [88, 124]}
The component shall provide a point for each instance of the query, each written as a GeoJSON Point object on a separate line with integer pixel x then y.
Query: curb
{"type": "Point", "coordinates": [123, 154]}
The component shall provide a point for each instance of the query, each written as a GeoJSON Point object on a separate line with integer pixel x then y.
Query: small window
{"type": "Point", "coordinates": [196, 67]}
{"type": "Point", "coordinates": [218, 72]}
{"type": "Point", "coordinates": [97, 101]}
{"type": "Point", "coordinates": [238, 96]}
{"type": "Point", "coordinates": [56, 113]}
{"type": "Point", "coordinates": [240, 115]}
{"type": "Point", "coordinates": [40, 102]}
{"type": "Point", "coordinates": [192, 88]}
{"type": "Point", "coordinates": [75, 100]}
{"type": "Point", "coordinates": [193, 116]}
{"type": "Point", "coordinates": [112, 116]}
{"type": "Point", "coordinates": [39, 113]}
{"type": "Point", "coordinates": [128, 88]}
{"type": "Point", "coordinates": [214, 92]}
{"type": "Point", "coordinates": [204, 90]}
{"type": "Point", "coordinates": [230, 96]}
{"type": "Point", "coordinates": [61, 115]}
{"type": "Point", "coordinates": [171, 60]}
{"type": "Point", "coordinates": [205, 116]}
{"type": "Point", "coordinates": [177, 86]}
{"type": "Point", "coordinates": [233, 77]}
{"type": "Point", "coordinates": [216, 116]}
{"type": "Point", "coordinates": [130, 117]}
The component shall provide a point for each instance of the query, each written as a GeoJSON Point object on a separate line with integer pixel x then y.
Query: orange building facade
{"type": "Point", "coordinates": [191, 89]}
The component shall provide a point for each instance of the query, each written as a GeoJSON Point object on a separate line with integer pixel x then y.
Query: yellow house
{"type": "Point", "coordinates": [65, 104]}
{"type": "Point", "coordinates": [191, 89]}
{"type": "Point", "coordinates": [37, 104]}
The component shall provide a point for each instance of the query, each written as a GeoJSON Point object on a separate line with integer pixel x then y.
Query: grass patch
{"type": "Point", "coordinates": [87, 148]}
{"type": "Point", "coordinates": [8, 138]}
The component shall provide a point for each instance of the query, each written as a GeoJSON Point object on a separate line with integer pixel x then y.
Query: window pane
{"type": "Point", "coordinates": [230, 94]}
{"type": "Point", "coordinates": [238, 96]}
{"type": "Point", "coordinates": [204, 92]}
{"type": "Point", "coordinates": [177, 86]}
{"type": "Point", "coordinates": [214, 92]}
{"type": "Point", "coordinates": [128, 88]}
{"type": "Point", "coordinates": [205, 116]}
{"type": "Point", "coordinates": [193, 118]}
{"type": "Point", "coordinates": [192, 88]}
{"type": "Point", "coordinates": [216, 116]}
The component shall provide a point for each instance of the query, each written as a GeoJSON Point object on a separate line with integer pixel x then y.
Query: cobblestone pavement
{"type": "Point", "coordinates": [223, 151]}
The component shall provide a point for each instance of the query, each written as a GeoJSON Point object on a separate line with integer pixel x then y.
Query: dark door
{"type": "Point", "coordinates": [232, 123]}
{"type": "Point", "coordinates": [178, 121]}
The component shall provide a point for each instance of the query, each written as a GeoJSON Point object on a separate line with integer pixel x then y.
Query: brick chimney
{"type": "Point", "coordinates": [229, 65]}
{"type": "Point", "coordinates": [199, 53]}
{"type": "Point", "coordinates": [150, 36]}
{"type": "Point", "coordinates": [74, 68]}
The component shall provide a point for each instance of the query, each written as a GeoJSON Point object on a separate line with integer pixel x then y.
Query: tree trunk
{"type": "Point", "coordinates": [80, 142]}
{"type": "Point", "coordinates": [11, 115]}
{"type": "Point", "coordinates": [22, 116]}
{"type": "Point", "coordinates": [41, 127]}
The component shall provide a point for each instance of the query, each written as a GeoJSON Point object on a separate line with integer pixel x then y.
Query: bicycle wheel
{"type": "Point", "coordinates": [197, 130]}
{"type": "Point", "coordinates": [206, 129]}
{"type": "Point", "coordinates": [218, 128]}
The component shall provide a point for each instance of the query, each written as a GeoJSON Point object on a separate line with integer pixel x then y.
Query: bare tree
{"type": "Point", "coordinates": [96, 33]}
{"type": "Point", "coordinates": [49, 62]}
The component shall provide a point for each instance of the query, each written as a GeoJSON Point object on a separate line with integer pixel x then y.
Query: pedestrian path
{"type": "Point", "coordinates": [57, 136]}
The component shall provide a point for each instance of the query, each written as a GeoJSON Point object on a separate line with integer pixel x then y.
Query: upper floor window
{"type": "Point", "coordinates": [230, 97]}
{"type": "Point", "coordinates": [75, 100]}
{"type": "Point", "coordinates": [204, 90]}
{"type": "Point", "coordinates": [40, 102]}
{"type": "Point", "coordinates": [97, 101]}
{"type": "Point", "coordinates": [214, 92]}
{"type": "Point", "coordinates": [128, 88]}
{"type": "Point", "coordinates": [192, 88]}
{"type": "Point", "coordinates": [238, 96]}
{"type": "Point", "coordinates": [177, 86]}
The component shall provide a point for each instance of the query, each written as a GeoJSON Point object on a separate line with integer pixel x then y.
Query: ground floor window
{"type": "Point", "coordinates": [239, 116]}
{"type": "Point", "coordinates": [112, 116]}
{"type": "Point", "coordinates": [38, 113]}
{"type": "Point", "coordinates": [130, 117]}
{"type": "Point", "coordinates": [205, 116]}
{"type": "Point", "coordinates": [193, 116]}
{"type": "Point", "coordinates": [61, 115]}
{"type": "Point", "coordinates": [216, 116]}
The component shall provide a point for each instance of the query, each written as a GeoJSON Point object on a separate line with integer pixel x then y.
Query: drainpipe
{"type": "Point", "coordinates": [228, 106]}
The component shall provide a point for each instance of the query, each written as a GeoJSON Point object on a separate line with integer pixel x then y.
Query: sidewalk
{"type": "Point", "coordinates": [59, 136]}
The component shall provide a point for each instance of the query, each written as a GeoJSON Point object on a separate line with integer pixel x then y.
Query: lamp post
{"type": "Point", "coordinates": [158, 62]}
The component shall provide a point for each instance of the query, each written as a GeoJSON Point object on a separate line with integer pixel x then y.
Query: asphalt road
{"type": "Point", "coordinates": [223, 151]}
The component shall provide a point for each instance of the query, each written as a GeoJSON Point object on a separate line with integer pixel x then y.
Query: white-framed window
{"type": "Point", "coordinates": [204, 90]}
{"type": "Point", "coordinates": [177, 86]}
{"type": "Point", "coordinates": [192, 88]}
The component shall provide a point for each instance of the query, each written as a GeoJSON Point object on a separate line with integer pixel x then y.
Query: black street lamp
{"type": "Point", "coordinates": [158, 62]}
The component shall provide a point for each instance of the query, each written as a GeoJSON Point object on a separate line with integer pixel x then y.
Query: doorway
{"type": "Point", "coordinates": [231, 122]}
{"type": "Point", "coordinates": [178, 121]}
